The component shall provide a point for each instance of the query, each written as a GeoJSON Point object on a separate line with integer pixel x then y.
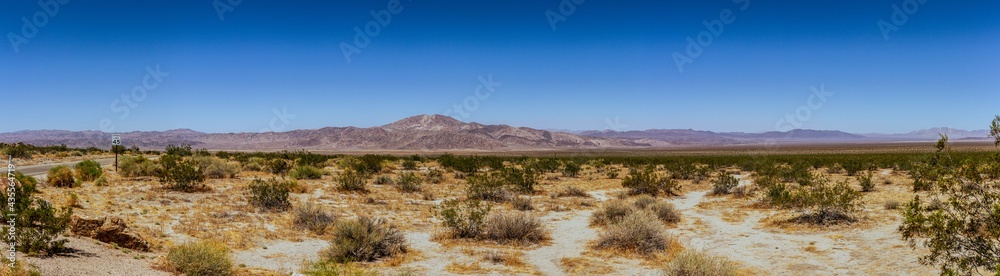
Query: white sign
{"type": "Point", "coordinates": [116, 139]}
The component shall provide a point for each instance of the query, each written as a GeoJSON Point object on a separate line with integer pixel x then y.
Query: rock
{"type": "Point", "coordinates": [108, 230]}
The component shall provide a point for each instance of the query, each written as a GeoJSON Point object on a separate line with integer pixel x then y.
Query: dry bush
{"type": "Point", "coordinates": [201, 258]}
{"type": "Point", "coordinates": [409, 182]}
{"type": "Point", "coordinates": [611, 212]}
{"type": "Point", "coordinates": [638, 232]}
{"type": "Point", "coordinates": [891, 204]}
{"type": "Point", "coordinates": [643, 201]}
{"type": "Point", "coordinates": [364, 240]}
{"type": "Point", "coordinates": [724, 184]}
{"type": "Point", "coordinates": [522, 204]}
{"type": "Point", "coordinates": [61, 176]}
{"type": "Point", "coordinates": [269, 195]}
{"type": "Point", "coordinates": [334, 269]}
{"type": "Point", "coordinates": [138, 166]}
{"type": "Point", "coordinates": [383, 180]}
{"type": "Point", "coordinates": [464, 219]}
{"type": "Point", "coordinates": [312, 217]}
{"type": "Point", "coordinates": [215, 168]}
{"type": "Point", "coordinates": [698, 263]}
{"type": "Point", "coordinates": [351, 180]}
{"type": "Point", "coordinates": [306, 172]}
{"type": "Point", "coordinates": [435, 175]}
{"type": "Point", "coordinates": [666, 212]}
{"type": "Point", "coordinates": [514, 227]}
{"type": "Point", "coordinates": [572, 191]}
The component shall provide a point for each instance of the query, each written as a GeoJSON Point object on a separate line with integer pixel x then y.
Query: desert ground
{"type": "Point", "coordinates": [740, 229]}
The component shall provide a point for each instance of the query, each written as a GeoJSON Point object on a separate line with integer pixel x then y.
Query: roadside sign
{"type": "Point", "coordinates": [116, 139]}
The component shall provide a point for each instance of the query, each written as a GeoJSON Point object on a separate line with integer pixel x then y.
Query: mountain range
{"type": "Point", "coordinates": [439, 132]}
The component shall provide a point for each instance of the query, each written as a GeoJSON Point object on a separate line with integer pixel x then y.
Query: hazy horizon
{"type": "Point", "coordinates": [258, 66]}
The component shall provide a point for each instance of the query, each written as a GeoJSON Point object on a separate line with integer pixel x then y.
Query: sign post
{"type": "Point", "coordinates": [116, 142]}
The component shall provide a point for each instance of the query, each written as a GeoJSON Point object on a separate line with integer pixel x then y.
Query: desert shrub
{"type": "Point", "coordinates": [742, 191]}
{"type": "Point", "coordinates": [409, 165]}
{"type": "Point", "coordinates": [180, 175]}
{"type": "Point", "coordinates": [269, 195]}
{"type": "Point", "coordinates": [352, 180]}
{"type": "Point", "coordinates": [201, 258]}
{"type": "Point", "coordinates": [383, 180]}
{"type": "Point", "coordinates": [571, 169]}
{"type": "Point", "coordinates": [699, 263]}
{"type": "Point", "coordinates": [835, 169]}
{"type": "Point", "coordinates": [464, 219]}
{"type": "Point", "coordinates": [364, 240]}
{"type": "Point", "coordinates": [961, 231]}
{"type": "Point", "coordinates": [778, 195]}
{"type": "Point", "coordinates": [306, 172]}
{"type": "Point", "coordinates": [278, 166]}
{"type": "Point", "coordinates": [215, 168]}
{"type": "Point", "coordinates": [409, 182]}
{"type": "Point", "coordinates": [638, 232]}
{"type": "Point", "coordinates": [825, 203]}
{"type": "Point", "coordinates": [522, 203]}
{"type": "Point", "coordinates": [322, 268]}
{"type": "Point", "coordinates": [88, 170]}
{"type": "Point", "coordinates": [38, 222]}
{"type": "Point", "coordinates": [865, 180]}
{"type": "Point", "coordinates": [643, 201]}
{"type": "Point", "coordinates": [182, 150]}
{"type": "Point", "coordinates": [572, 191]}
{"type": "Point", "coordinates": [666, 212]}
{"type": "Point", "coordinates": [611, 212]}
{"type": "Point", "coordinates": [514, 227]}
{"type": "Point", "coordinates": [101, 181]}
{"type": "Point", "coordinates": [724, 184]}
{"type": "Point", "coordinates": [61, 176]}
{"type": "Point", "coordinates": [521, 180]}
{"type": "Point", "coordinates": [257, 164]}
{"type": "Point", "coordinates": [138, 166]}
{"type": "Point", "coordinates": [891, 205]}
{"type": "Point", "coordinates": [486, 186]}
{"type": "Point", "coordinates": [312, 217]}
{"type": "Point", "coordinates": [27, 184]}
{"type": "Point", "coordinates": [646, 181]}
{"type": "Point", "coordinates": [612, 173]}
{"type": "Point", "coordinates": [434, 175]}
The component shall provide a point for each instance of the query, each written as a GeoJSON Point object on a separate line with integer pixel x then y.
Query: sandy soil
{"type": "Point", "coordinates": [94, 258]}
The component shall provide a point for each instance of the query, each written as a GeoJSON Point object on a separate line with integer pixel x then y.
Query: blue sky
{"type": "Point", "coordinates": [608, 64]}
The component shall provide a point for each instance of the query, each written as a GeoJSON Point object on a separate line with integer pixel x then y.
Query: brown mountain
{"type": "Point", "coordinates": [423, 132]}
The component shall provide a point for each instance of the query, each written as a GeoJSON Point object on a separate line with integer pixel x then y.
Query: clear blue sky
{"type": "Point", "coordinates": [607, 61]}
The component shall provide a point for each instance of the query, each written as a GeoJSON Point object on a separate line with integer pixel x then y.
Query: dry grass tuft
{"type": "Point", "coordinates": [698, 263]}
{"type": "Point", "coordinates": [514, 228]}
{"type": "Point", "coordinates": [638, 232]}
{"type": "Point", "coordinates": [201, 258]}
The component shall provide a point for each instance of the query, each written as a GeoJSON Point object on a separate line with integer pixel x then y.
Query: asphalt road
{"type": "Point", "coordinates": [39, 171]}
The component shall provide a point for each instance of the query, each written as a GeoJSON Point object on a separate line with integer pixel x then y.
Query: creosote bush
{"type": "Point", "coordinates": [88, 170]}
{"type": "Point", "coordinates": [724, 184]}
{"type": "Point", "coordinates": [201, 258]}
{"type": "Point", "coordinates": [646, 181]}
{"type": "Point", "coordinates": [306, 172]}
{"type": "Point", "coordinates": [37, 222]}
{"type": "Point", "coordinates": [215, 168]}
{"type": "Point", "coordinates": [352, 180]}
{"type": "Point", "coordinates": [61, 176]}
{"type": "Point", "coordinates": [865, 180]}
{"type": "Point", "coordinates": [572, 191]}
{"type": "Point", "coordinates": [138, 166]}
{"type": "Point", "coordinates": [464, 219]}
{"type": "Point", "coordinates": [269, 195]}
{"type": "Point", "coordinates": [180, 175]}
{"type": "Point", "coordinates": [364, 240]}
{"type": "Point", "coordinates": [409, 182]}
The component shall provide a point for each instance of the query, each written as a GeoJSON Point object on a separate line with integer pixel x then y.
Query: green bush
{"type": "Point", "coordinates": [61, 176]}
{"type": "Point", "coordinates": [825, 203]}
{"type": "Point", "coordinates": [638, 232]}
{"type": "Point", "coordinates": [38, 223]}
{"type": "Point", "coordinates": [865, 180]}
{"type": "Point", "coordinates": [365, 240]}
{"type": "Point", "coordinates": [278, 166]}
{"type": "Point", "coordinates": [384, 180]}
{"type": "Point", "coordinates": [306, 172]}
{"type": "Point", "coordinates": [180, 175]}
{"type": "Point", "coordinates": [270, 195]}
{"type": "Point", "coordinates": [487, 186]}
{"type": "Point", "coordinates": [409, 182]}
{"type": "Point", "coordinates": [724, 184]}
{"type": "Point", "coordinates": [464, 219]}
{"type": "Point", "coordinates": [514, 227]}
{"type": "Point", "coordinates": [352, 180]}
{"type": "Point", "coordinates": [571, 169]}
{"type": "Point", "coordinates": [312, 217]}
{"type": "Point", "coordinates": [201, 258]}
{"type": "Point", "coordinates": [646, 181]}
{"type": "Point", "coordinates": [138, 166]}
{"type": "Point", "coordinates": [215, 168]}
{"type": "Point", "coordinates": [521, 180]}
{"type": "Point", "coordinates": [409, 165]}
{"type": "Point", "coordinates": [88, 170]}
{"type": "Point", "coordinates": [435, 176]}
{"type": "Point", "coordinates": [699, 263]}
{"type": "Point", "coordinates": [182, 150]}
{"type": "Point", "coordinates": [612, 173]}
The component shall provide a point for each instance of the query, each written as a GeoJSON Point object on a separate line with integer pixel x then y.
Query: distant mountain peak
{"type": "Point", "coordinates": [427, 122]}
